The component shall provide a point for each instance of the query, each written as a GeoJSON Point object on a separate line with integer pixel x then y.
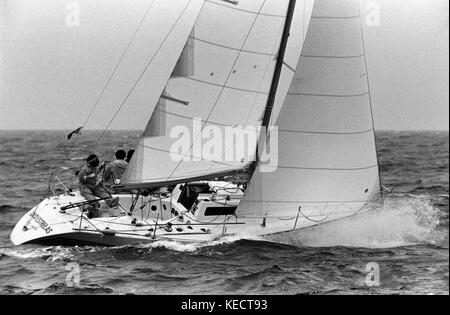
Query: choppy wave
{"type": "Point", "coordinates": [408, 237]}
{"type": "Point", "coordinates": [10, 208]}
{"type": "Point", "coordinates": [192, 247]}
{"type": "Point", "coordinates": [50, 253]}
{"type": "Point", "coordinates": [62, 288]}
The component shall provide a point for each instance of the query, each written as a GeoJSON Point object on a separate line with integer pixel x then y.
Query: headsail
{"type": "Point", "coordinates": [146, 64]}
{"type": "Point", "coordinates": [234, 53]}
{"type": "Point", "coordinates": [327, 156]}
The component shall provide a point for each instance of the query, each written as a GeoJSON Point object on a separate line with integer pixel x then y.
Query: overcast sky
{"type": "Point", "coordinates": [51, 74]}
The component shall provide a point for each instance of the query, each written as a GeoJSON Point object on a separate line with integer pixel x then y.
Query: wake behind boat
{"type": "Point", "coordinates": [278, 90]}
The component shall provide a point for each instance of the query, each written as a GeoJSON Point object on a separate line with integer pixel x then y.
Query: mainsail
{"type": "Point", "coordinates": [328, 164]}
{"type": "Point", "coordinates": [230, 59]}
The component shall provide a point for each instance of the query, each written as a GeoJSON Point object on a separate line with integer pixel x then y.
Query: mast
{"type": "Point", "coordinates": [275, 80]}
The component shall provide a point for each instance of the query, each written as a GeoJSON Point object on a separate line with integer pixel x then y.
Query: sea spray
{"type": "Point", "coordinates": [402, 221]}
{"type": "Point", "coordinates": [192, 247]}
{"type": "Point", "coordinates": [50, 253]}
{"type": "Point", "coordinates": [53, 253]}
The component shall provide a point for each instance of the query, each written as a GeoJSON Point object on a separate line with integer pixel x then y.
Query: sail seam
{"type": "Point", "coordinates": [246, 11]}
{"type": "Point", "coordinates": [190, 118]}
{"type": "Point", "coordinates": [226, 81]}
{"type": "Point", "coordinates": [333, 57]}
{"type": "Point", "coordinates": [255, 97]}
{"type": "Point", "coordinates": [225, 86]}
{"type": "Point", "coordinates": [336, 17]}
{"type": "Point", "coordinates": [231, 48]}
{"type": "Point", "coordinates": [327, 169]}
{"type": "Point", "coordinates": [326, 133]}
{"type": "Point", "coordinates": [190, 156]}
{"type": "Point", "coordinates": [329, 95]}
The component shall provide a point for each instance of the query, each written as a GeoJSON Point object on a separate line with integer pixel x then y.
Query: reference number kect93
{"type": "Point", "coordinates": [233, 304]}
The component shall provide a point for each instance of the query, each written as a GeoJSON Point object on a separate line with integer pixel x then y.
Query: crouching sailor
{"type": "Point", "coordinates": [91, 189]}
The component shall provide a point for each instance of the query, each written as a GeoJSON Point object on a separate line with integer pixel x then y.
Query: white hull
{"type": "Point", "coordinates": [159, 219]}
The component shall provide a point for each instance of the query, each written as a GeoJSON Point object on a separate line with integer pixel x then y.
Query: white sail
{"type": "Point", "coordinates": [233, 48]}
{"type": "Point", "coordinates": [297, 35]}
{"type": "Point", "coordinates": [327, 155]}
{"type": "Point", "coordinates": [147, 65]}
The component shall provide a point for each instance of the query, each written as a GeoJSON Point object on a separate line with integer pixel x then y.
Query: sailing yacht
{"type": "Point", "coordinates": [297, 70]}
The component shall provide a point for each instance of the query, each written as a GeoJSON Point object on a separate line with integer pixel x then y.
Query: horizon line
{"type": "Point", "coordinates": [139, 130]}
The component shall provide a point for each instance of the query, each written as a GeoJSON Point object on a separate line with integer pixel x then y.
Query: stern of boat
{"type": "Point", "coordinates": [43, 221]}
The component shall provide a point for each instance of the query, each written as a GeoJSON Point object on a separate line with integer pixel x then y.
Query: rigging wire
{"type": "Point", "coordinates": [368, 87]}
{"type": "Point", "coordinates": [116, 67]}
{"type": "Point", "coordinates": [118, 63]}
{"type": "Point", "coordinates": [255, 97]}
{"type": "Point", "coordinates": [313, 220]}
{"type": "Point", "coordinates": [223, 87]}
{"type": "Point", "coordinates": [138, 79]}
{"type": "Point", "coordinates": [144, 71]}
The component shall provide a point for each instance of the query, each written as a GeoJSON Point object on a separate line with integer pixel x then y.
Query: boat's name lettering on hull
{"type": "Point", "coordinates": [44, 225]}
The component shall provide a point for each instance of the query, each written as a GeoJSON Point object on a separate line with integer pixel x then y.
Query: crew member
{"type": "Point", "coordinates": [91, 189]}
{"type": "Point", "coordinates": [114, 170]}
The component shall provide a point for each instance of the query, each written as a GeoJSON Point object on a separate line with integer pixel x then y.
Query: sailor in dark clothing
{"type": "Point", "coordinates": [91, 188]}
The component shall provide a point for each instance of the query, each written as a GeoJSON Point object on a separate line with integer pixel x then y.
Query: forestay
{"type": "Point", "coordinates": [327, 156]}
{"type": "Point", "coordinates": [222, 79]}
